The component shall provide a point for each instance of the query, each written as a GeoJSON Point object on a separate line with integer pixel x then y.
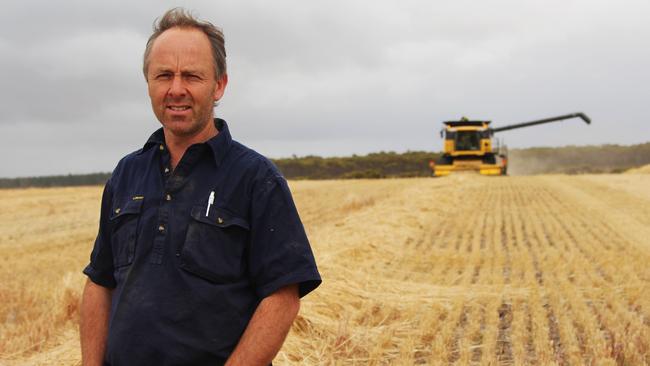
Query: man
{"type": "Point", "coordinates": [201, 257]}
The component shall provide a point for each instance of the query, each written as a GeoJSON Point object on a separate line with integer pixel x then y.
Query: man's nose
{"type": "Point", "coordinates": [177, 88]}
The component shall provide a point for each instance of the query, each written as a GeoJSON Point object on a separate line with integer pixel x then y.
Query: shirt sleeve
{"type": "Point", "coordinates": [279, 253]}
{"type": "Point", "coordinates": [100, 268]}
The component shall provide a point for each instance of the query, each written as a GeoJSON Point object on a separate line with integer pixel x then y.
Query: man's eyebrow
{"type": "Point", "coordinates": [192, 72]}
{"type": "Point", "coordinates": [166, 69]}
{"type": "Point", "coordinates": [162, 69]}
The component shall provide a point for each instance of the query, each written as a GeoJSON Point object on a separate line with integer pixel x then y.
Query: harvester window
{"type": "Point", "coordinates": [468, 140]}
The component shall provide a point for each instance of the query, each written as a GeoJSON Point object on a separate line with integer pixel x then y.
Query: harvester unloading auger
{"type": "Point", "coordinates": [468, 146]}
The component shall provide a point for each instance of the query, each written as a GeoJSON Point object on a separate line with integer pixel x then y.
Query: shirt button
{"type": "Point", "coordinates": [178, 254]}
{"type": "Point", "coordinates": [161, 228]}
{"type": "Point", "coordinates": [161, 147]}
{"type": "Point", "coordinates": [166, 170]}
{"type": "Point", "coordinates": [117, 210]}
{"type": "Point", "coordinates": [168, 197]}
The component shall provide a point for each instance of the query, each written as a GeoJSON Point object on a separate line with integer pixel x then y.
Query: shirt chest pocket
{"type": "Point", "coordinates": [124, 222]}
{"type": "Point", "coordinates": [214, 245]}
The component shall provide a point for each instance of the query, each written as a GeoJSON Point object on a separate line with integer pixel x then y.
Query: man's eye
{"type": "Point", "coordinates": [193, 77]}
{"type": "Point", "coordinates": [163, 76]}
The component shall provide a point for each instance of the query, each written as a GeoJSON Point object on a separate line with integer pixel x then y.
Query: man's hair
{"type": "Point", "coordinates": [179, 17]}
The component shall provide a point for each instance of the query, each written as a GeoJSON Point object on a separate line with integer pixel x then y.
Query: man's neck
{"type": "Point", "coordinates": [177, 145]}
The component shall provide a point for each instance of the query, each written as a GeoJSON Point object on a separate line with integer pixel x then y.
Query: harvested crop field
{"type": "Point", "coordinates": [462, 270]}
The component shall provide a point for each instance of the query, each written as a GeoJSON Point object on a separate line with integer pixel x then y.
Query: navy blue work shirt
{"type": "Point", "coordinates": [187, 275]}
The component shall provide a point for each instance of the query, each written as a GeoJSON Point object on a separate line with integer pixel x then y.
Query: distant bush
{"type": "Point", "coordinates": [374, 165]}
{"type": "Point", "coordinates": [364, 174]}
{"type": "Point", "coordinates": [56, 180]}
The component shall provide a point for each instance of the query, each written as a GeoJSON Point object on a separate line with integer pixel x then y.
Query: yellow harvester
{"type": "Point", "coordinates": [469, 146]}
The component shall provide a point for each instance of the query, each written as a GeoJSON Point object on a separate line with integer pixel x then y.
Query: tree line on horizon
{"type": "Point", "coordinates": [528, 161]}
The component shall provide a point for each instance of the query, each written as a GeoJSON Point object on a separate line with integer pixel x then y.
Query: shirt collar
{"type": "Point", "coordinates": [219, 144]}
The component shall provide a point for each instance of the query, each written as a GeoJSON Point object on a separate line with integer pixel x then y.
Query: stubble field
{"type": "Point", "coordinates": [463, 270]}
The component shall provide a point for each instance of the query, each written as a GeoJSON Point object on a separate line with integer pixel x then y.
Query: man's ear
{"type": "Point", "coordinates": [220, 88]}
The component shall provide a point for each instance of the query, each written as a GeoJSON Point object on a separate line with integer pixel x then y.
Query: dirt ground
{"type": "Point", "coordinates": [463, 270]}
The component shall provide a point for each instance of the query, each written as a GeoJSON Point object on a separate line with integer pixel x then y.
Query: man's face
{"type": "Point", "coordinates": [181, 80]}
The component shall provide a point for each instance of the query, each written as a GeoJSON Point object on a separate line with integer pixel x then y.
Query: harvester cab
{"type": "Point", "coordinates": [468, 146]}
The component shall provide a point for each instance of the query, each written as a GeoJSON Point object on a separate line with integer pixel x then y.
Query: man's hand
{"type": "Point", "coordinates": [267, 329]}
{"type": "Point", "coordinates": [95, 312]}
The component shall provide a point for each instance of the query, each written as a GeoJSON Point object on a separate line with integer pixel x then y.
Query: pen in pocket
{"type": "Point", "coordinates": [210, 202]}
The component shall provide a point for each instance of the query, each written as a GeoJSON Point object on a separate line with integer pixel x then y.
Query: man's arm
{"type": "Point", "coordinates": [267, 329]}
{"type": "Point", "coordinates": [95, 312]}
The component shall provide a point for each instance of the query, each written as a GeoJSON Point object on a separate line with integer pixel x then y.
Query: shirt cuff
{"type": "Point", "coordinates": [98, 278]}
{"type": "Point", "coordinates": [307, 281]}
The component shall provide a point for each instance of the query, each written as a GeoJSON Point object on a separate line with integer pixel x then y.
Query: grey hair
{"type": "Point", "coordinates": [179, 17]}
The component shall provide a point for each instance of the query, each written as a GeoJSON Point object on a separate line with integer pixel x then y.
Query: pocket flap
{"type": "Point", "coordinates": [218, 217]}
{"type": "Point", "coordinates": [130, 207]}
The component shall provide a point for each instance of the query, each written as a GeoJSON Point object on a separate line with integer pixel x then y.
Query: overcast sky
{"type": "Point", "coordinates": [326, 77]}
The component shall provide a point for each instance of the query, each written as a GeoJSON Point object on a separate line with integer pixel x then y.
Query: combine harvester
{"type": "Point", "coordinates": [469, 146]}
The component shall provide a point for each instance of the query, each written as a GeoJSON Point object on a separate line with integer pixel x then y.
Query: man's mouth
{"type": "Point", "coordinates": [178, 108]}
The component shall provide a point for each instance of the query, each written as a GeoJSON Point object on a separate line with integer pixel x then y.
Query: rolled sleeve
{"type": "Point", "coordinates": [100, 268]}
{"type": "Point", "coordinates": [279, 253]}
